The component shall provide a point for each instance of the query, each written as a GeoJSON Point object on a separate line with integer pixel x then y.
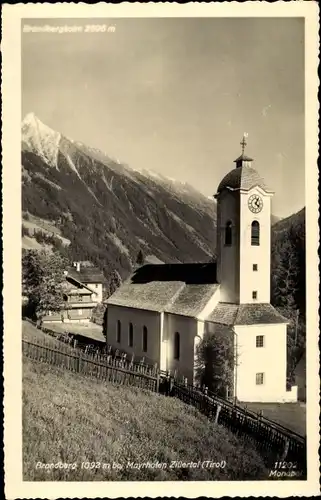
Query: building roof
{"type": "Point", "coordinates": [243, 157]}
{"type": "Point", "coordinates": [73, 284]}
{"type": "Point", "coordinates": [175, 288]}
{"type": "Point", "coordinates": [244, 177]}
{"type": "Point", "coordinates": [245, 314]}
{"type": "Point", "coordinates": [87, 274]}
{"type": "Point", "coordinates": [191, 300]}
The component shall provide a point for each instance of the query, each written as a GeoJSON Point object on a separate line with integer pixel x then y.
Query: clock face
{"type": "Point", "coordinates": [255, 203]}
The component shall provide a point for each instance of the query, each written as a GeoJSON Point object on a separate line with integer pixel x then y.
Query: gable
{"type": "Point", "coordinates": [77, 285]}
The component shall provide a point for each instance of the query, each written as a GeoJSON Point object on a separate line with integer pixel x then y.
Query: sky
{"type": "Point", "coordinates": [175, 95]}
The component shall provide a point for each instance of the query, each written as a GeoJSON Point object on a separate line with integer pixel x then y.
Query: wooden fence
{"type": "Point", "coordinates": [276, 442]}
{"type": "Point", "coordinates": [103, 367]}
{"type": "Point", "coordinates": [92, 346]}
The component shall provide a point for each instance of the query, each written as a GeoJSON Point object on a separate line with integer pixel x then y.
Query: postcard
{"type": "Point", "coordinates": [160, 233]}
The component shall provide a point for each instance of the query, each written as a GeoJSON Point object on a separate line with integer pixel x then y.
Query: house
{"type": "Point", "coordinates": [89, 276]}
{"type": "Point", "coordinates": [82, 292]}
{"type": "Point", "coordinates": [162, 312]}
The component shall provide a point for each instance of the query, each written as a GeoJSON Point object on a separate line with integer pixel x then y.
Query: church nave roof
{"type": "Point", "coordinates": [182, 289]}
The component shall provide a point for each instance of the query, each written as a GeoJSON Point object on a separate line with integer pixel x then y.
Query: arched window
{"type": "Point", "coordinates": [130, 335]}
{"type": "Point", "coordinates": [176, 345]}
{"type": "Point", "coordinates": [255, 233]}
{"type": "Point", "coordinates": [228, 233]}
{"type": "Point", "coordinates": [118, 332]}
{"type": "Point", "coordinates": [145, 339]}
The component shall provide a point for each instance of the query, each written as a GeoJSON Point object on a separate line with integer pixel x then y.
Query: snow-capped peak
{"type": "Point", "coordinates": [29, 118]}
{"type": "Point", "coordinates": [40, 139]}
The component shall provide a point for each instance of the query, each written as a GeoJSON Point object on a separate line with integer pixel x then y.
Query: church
{"type": "Point", "coordinates": [162, 312]}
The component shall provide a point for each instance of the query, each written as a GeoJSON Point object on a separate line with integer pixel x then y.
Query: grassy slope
{"type": "Point", "coordinates": [69, 418]}
{"type": "Point", "coordinates": [90, 330]}
{"type": "Point", "coordinates": [32, 334]}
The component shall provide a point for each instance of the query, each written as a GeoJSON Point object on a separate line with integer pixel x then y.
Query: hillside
{"type": "Point", "coordinates": [92, 208]}
{"type": "Point", "coordinates": [105, 209]}
{"type": "Point", "coordinates": [289, 254]}
{"type": "Point", "coordinates": [73, 419]}
{"type": "Point", "coordinates": [296, 221]}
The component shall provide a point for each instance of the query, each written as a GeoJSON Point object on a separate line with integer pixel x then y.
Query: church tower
{"type": "Point", "coordinates": [244, 234]}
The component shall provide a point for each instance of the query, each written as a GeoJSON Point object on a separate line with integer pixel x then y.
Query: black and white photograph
{"type": "Point", "coordinates": [166, 303]}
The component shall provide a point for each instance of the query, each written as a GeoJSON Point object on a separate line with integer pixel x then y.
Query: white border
{"type": "Point", "coordinates": [11, 116]}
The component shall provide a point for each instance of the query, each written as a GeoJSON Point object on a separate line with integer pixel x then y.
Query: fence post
{"type": "Point", "coordinates": [205, 406]}
{"type": "Point", "coordinates": [157, 381]}
{"type": "Point", "coordinates": [218, 409]}
{"type": "Point", "coordinates": [285, 449]}
{"type": "Point", "coordinates": [79, 362]}
{"type": "Point", "coordinates": [171, 384]}
{"type": "Point", "coordinates": [168, 382]}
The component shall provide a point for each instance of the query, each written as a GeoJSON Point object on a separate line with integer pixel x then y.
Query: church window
{"type": "Point", "coordinates": [176, 345]}
{"type": "Point", "coordinates": [254, 267]}
{"type": "Point", "coordinates": [254, 295]}
{"type": "Point", "coordinates": [255, 233]}
{"type": "Point", "coordinates": [259, 378]}
{"type": "Point", "coordinates": [228, 233]}
{"type": "Point", "coordinates": [145, 333]}
{"type": "Point", "coordinates": [118, 332]}
{"type": "Point", "coordinates": [130, 335]}
{"type": "Point", "coordinates": [260, 341]}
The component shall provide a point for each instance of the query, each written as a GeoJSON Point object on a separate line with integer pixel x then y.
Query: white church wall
{"type": "Point", "coordinates": [269, 360]}
{"type": "Point", "coordinates": [187, 329]}
{"type": "Point", "coordinates": [251, 280]}
{"type": "Point", "coordinates": [139, 318]}
{"type": "Point", "coordinates": [228, 257]}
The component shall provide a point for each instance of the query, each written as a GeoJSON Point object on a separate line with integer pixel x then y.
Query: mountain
{"type": "Point", "coordinates": [275, 219]}
{"type": "Point", "coordinates": [296, 221]}
{"type": "Point", "coordinates": [288, 261]}
{"type": "Point", "coordinates": [107, 211]}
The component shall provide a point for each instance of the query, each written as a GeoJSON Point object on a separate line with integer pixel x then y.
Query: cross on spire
{"type": "Point", "coordinates": [243, 142]}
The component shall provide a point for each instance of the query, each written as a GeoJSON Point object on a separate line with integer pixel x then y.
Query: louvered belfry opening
{"type": "Point", "coordinates": [255, 233]}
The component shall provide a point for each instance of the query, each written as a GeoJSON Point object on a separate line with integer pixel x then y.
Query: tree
{"type": "Point", "coordinates": [140, 259]}
{"type": "Point", "coordinates": [215, 360]}
{"type": "Point", "coordinates": [114, 282]}
{"type": "Point", "coordinates": [285, 274]}
{"type": "Point", "coordinates": [43, 282]}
